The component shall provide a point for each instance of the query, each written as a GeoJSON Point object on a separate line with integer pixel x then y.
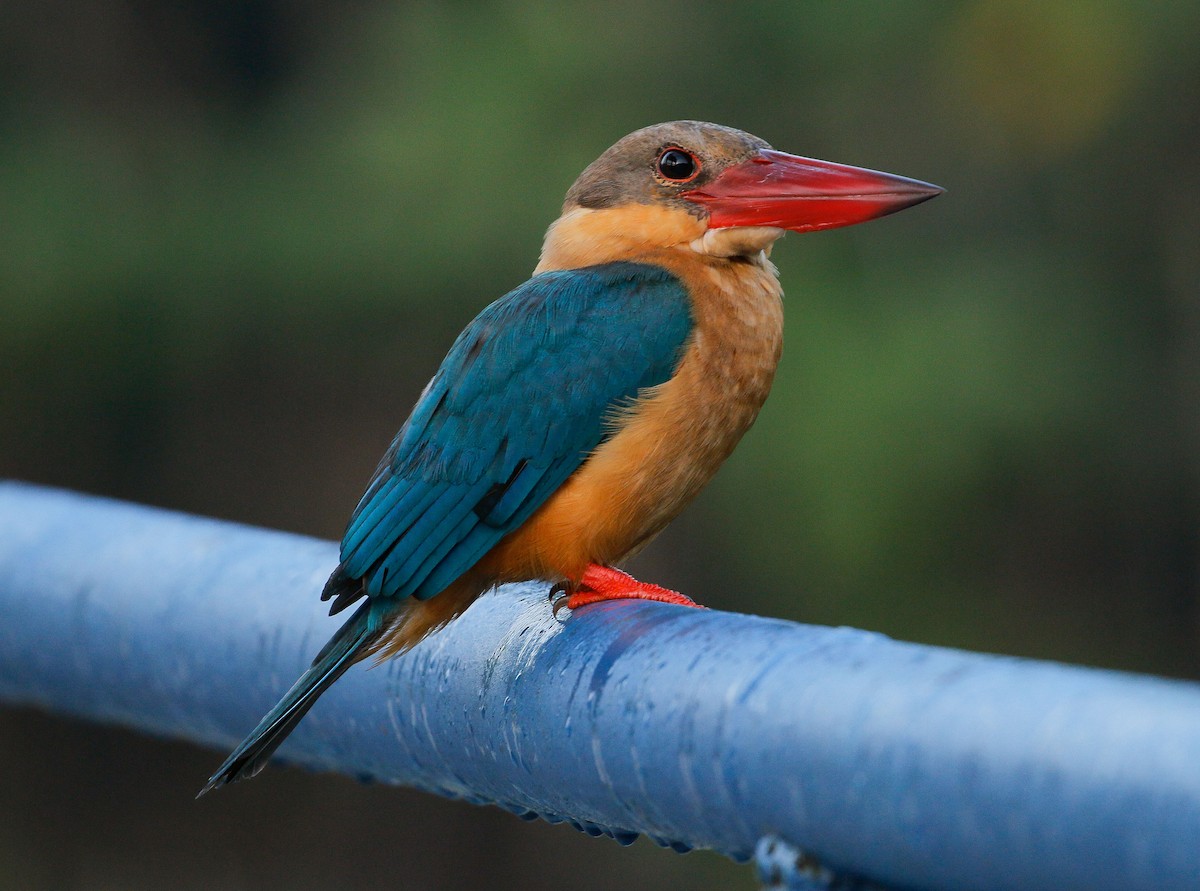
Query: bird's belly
{"type": "Point", "coordinates": [622, 496]}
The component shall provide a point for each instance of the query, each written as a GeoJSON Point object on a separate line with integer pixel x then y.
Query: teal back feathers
{"type": "Point", "coordinates": [523, 397]}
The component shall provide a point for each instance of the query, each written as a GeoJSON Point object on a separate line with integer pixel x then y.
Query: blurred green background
{"type": "Point", "coordinates": [238, 237]}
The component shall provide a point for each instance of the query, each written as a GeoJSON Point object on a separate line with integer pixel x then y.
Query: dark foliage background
{"type": "Point", "coordinates": [237, 238]}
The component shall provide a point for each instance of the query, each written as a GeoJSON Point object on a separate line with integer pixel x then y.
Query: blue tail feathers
{"type": "Point", "coordinates": [346, 647]}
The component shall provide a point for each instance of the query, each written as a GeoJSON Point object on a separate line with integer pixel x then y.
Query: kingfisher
{"type": "Point", "coordinates": [576, 416]}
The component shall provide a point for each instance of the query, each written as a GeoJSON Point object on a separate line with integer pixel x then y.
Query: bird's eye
{"type": "Point", "coordinates": [677, 165]}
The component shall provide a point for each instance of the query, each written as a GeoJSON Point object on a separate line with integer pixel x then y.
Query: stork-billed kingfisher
{"type": "Point", "coordinates": [578, 414]}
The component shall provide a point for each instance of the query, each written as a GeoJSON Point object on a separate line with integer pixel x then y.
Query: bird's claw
{"type": "Point", "coordinates": [560, 593]}
{"type": "Point", "coordinates": [603, 583]}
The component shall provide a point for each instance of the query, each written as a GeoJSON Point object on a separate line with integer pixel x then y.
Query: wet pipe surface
{"type": "Point", "coordinates": [919, 767]}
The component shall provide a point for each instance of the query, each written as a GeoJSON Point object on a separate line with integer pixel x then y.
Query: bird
{"type": "Point", "coordinates": [577, 415]}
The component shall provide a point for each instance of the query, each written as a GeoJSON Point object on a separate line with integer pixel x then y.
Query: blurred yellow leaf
{"type": "Point", "coordinates": [1040, 78]}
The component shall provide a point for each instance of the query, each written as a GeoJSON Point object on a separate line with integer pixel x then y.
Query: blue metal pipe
{"type": "Point", "coordinates": [913, 766]}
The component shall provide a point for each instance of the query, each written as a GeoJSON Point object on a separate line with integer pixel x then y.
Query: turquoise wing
{"type": "Point", "coordinates": [518, 404]}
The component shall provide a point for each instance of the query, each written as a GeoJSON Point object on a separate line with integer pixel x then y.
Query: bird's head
{"type": "Point", "coordinates": [713, 190]}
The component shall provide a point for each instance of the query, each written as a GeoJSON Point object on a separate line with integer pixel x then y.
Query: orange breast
{"type": "Point", "coordinates": [671, 442]}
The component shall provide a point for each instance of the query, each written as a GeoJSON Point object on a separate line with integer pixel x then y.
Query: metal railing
{"type": "Point", "coordinates": [905, 765]}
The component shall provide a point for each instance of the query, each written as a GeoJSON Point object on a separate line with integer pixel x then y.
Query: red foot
{"type": "Point", "coordinates": [605, 583]}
